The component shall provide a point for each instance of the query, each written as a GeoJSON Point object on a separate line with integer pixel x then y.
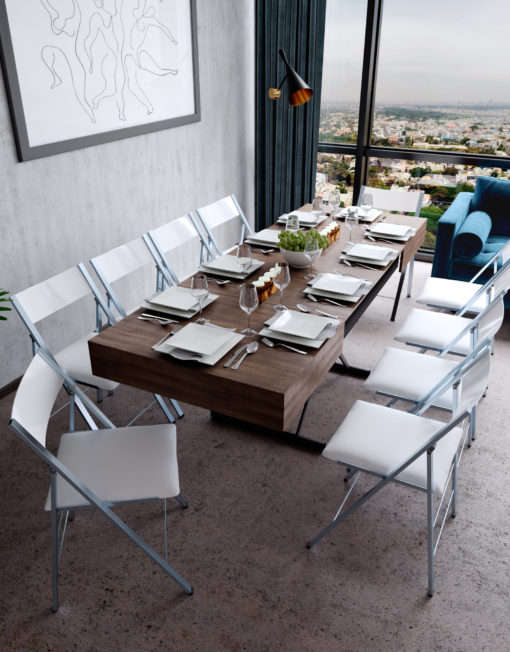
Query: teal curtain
{"type": "Point", "coordinates": [286, 137]}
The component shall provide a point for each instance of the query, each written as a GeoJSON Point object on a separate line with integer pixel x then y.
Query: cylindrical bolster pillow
{"type": "Point", "coordinates": [472, 234]}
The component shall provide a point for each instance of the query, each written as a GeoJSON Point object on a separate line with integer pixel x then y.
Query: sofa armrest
{"type": "Point", "coordinates": [447, 227]}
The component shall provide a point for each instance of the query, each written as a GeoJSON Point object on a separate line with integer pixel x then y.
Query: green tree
{"type": "Point", "coordinates": [4, 298]}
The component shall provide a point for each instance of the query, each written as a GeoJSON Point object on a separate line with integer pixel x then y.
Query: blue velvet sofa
{"type": "Point", "coordinates": [472, 229]}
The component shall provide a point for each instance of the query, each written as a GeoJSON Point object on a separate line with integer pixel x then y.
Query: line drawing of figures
{"type": "Point", "coordinates": [105, 48]}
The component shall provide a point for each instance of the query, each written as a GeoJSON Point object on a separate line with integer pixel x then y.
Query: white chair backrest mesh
{"type": "Point", "coordinates": [123, 260]}
{"type": "Point", "coordinates": [502, 280]}
{"type": "Point", "coordinates": [175, 234]}
{"type": "Point", "coordinates": [394, 200]}
{"type": "Point", "coordinates": [474, 382]}
{"type": "Point", "coordinates": [219, 212]}
{"type": "Point", "coordinates": [490, 320]}
{"type": "Point", "coordinates": [50, 296]}
{"type": "Point", "coordinates": [35, 397]}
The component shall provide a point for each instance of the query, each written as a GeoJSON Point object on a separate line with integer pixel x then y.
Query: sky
{"type": "Point", "coordinates": [431, 51]}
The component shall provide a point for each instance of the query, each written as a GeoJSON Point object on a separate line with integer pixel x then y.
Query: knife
{"type": "Point", "coordinates": [238, 352]}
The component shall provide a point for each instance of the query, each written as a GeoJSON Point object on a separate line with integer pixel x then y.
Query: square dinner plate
{"type": "Point", "coordinates": [299, 324]}
{"type": "Point", "coordinates": [175, 297]}
{"type": "Point", "coordinates": [177, 312]}
{"type": "Point", "coordinates": [396, 230]}
{"type": "Point", "coordinates": [200, 338]}
{"type": "Point", "coordinates": [305, 218]}
{"type": "Point", "coordinates": [229, 266]}
{"type": "Point", "coordinates": [181, 354]}
{"type": "Point", "coordinates": [264, 237]}
{"type": "Point", "coordinates": [336, 284]}
{"type": "Point", "coordinates": [369, 252]}
{"type": "Point", "coordinates": [372, 214]}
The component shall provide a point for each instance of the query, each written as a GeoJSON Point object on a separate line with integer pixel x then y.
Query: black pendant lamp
{"type": "Point", "coordinates": [299, 91]}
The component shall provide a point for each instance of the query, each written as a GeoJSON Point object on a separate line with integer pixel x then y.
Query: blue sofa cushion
{"type": "Point", "coordinates": [472, 234]}
{"type": "Point", "coordinates": [493, 196]}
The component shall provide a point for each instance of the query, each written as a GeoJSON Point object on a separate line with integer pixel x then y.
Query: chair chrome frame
{"type": "Point", "coordinates": [483, 355]}
{"type": "Point", "coordinates": [60, 517]}
{"type": "Point", "coordinates": [407, 202]}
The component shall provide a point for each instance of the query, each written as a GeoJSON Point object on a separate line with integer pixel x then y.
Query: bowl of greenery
{"type": "Point", "coordinates": [292, 247]}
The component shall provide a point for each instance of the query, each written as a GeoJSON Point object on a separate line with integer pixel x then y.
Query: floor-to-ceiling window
{"type": "Point", "coordinates": [415, 95]}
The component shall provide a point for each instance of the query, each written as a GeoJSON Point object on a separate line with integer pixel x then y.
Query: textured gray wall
{"type": "Point", "coordinates": [59, 210]}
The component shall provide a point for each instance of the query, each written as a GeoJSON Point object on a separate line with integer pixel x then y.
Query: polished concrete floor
{"type": "Point", "coordinates": [253, 503]}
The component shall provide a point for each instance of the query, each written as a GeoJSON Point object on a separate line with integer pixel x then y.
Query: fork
{"type": "Point", "coordinates": [272, 345]}
{"type": "Point", "coordinates": [162, 320]}
{"type": "Point", "coordinates": [220, 282]}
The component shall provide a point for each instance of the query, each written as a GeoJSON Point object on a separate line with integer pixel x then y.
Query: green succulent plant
{"type": "Point", "coordinates": [3, 298]}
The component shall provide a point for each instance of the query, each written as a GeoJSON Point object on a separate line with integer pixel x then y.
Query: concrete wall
{"type": "Point", "coordinates": [59, 210]}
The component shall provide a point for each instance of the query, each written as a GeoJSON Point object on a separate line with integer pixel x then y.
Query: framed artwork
{"type": "Point", "coordinates": [84, 72]}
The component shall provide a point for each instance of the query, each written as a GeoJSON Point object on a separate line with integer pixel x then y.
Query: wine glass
{"type": "Point", "coordinates": [244, 257]}
{"type": "Point", "coordinates": [317, 207]}
{"type": "Point", "coordinates": [311, 251]}
{"type": "Point", "coordinates": [248, 301]}
{"type": "Point", "coordinates": [200, 290]}
{"type": "Point", "coordinates": [351, 220]}
{"type": "Point", "coordinates": [325, 203]}
{"type": "Point", "coordinates": [334, 202]}
{"type": "Point", "coordinates": [367, 202]}
{"type": "Point", "coordinates": [292, 223]}
{"type": "Point", "coordinates": [281, 280]}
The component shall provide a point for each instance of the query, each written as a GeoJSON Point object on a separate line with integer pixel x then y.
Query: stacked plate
{"type": "Point", "coordinates": [305, 218]}
{"type": "Point", "coordinates": [388, 231]}
{"type": "Point", "coordinates": [229, 266]}
{"type": "Point", "coordinates": [335, 286]}
{"type": "Point", "coordinates": [364, 216]}
{"type": "Point", "coordinates": [265, 238]}
{"type": "Point", "coordinates": [372, 255]}
{"type": "Point", "coordinates": [300, 328]}
{"type": "Point", "coordinates": [177, 301]}
{"type": "Point", "coordinates": [203, 343]}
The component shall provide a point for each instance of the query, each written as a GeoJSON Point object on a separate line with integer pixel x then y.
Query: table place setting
{"type": "Point", "coordinates": [390, 231]}
{"type": "Point", "coordinates": [369, 215]}
{"type": "Point", "coordinates": [345, 288]}
{"type": "Point", "coordinates": [264, 238]}
{"type": "Point", "coordinates": [177, 301]}
{"type": "Point", "coordinates": [300, 328]}
{"type": "Point", "coordinates": [305, 218]}
{"type": "Point", "coordinates": [235, 267]}
{"type": "Point", "coordinates": [373, 255]}
{"type": "Point", "coordinates": [204, 343]}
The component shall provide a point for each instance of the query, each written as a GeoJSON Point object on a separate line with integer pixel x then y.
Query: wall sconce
{"type": "Point", "coordinates": [299, 91]}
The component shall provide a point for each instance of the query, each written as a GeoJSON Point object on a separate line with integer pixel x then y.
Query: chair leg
{"type": "Point", "coordinates": [183, 503]}
{"type": "Point", "coordinates": [161, 402]}
{"type": "Point", "coordinates": [399, 292]}
{"type": "Point", "coordinates": [177, 408]}
{"type": "Point", "coordinates": [430, 525]}
{"type": "Point", "coordinates": [54, 542]}
{"type": "Point", "coordinates": [410, 277]}
{"type": "Point", "coordinates": [454, 487]}
{"type": "Point", "coordinates": [99, 395]}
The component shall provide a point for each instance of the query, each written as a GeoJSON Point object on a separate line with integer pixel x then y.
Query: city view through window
{"type": "Point", "coordinates": [449, 93]}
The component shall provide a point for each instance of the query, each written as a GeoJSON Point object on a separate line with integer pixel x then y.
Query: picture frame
{"type": "Point", "coordinates": [79, 73]}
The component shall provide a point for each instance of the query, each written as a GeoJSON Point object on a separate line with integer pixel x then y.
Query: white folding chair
{"type": "Point", "coordinates": [224, 223]}
{"type": "Point", "coordinates": [409, 449]}
{"type": "Point", "coordinates": [51, 296]}
{"type": "Point", "coordinates": [180, 240]}
{"type": "Point", "coordinates": [95, 468]}
{"type": "Point", "coordinates": [117, 264]}
{"type": "Point", "coordinates": [403, 202]}
{"type": "Point", "coordinates": [451, 294]}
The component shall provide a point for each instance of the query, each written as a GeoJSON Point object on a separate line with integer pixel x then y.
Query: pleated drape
{"type": "Point", "coordinates": [286, 137]}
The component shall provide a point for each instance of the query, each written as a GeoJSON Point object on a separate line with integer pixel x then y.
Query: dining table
{"type": "Point", "coordinates": [271, 388]}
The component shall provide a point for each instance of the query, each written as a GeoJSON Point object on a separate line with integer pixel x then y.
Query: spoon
{"type": "Point", "coordinates": [222, 282]}
{"type": "Point", "coordinates": [266, 251]}
{"type": "Point", "coordinates": [251, 348]}
{"type": "Point", "coordinates": [312, 297]}
{"type": "Point", "coordinates": [320, 312]}
{"type": "Point", "coordinates": [162, 320]}
{"type": "Point", "coordinates": [286, 346]}
{"type": "Point", "coordinates": [349, 264]}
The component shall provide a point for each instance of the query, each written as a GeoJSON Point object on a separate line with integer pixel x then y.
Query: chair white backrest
{"type": "Point", "coordinates": [226, 218]}
{"type": "Point", "coordinates": [394, 200]}
{"type": "Point", "coordinates": [474, 382]}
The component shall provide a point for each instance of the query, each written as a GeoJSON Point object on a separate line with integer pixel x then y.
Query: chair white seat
{"type": "Point", "coordinates": [75, 360]}
{"type": "Point", "coordinates": [449, 293]}
{"type": "Point", "coordinates": [434, 330]}
{"type": "Point", "coordinates": [411, 375]}
{"type": "Point", "coordinates": [371, 437]}
{"type": "Point", "coordinates": [121, 464]}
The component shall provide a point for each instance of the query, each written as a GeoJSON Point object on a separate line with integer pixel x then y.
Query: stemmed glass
{"type": "Point", "coordinates": [200, 290]}
{"type": "Point", "coordinates": [244, 257]}
{"type": "Point", "coordinates": [334, 202]}
{"type": "Point", "coordinates": [367, 202]}
{"type": "Point", "coordinates": [248, 301]}
{"type": "Point", "coordinates": [325, 203]}
{"type": "Point", "coordinates": [281, 280]}
{"type": "Point", "coordinates": [292, 223]}
{"type": "Point", "coordinates": [317, 207]}
{"type": "Point", "coordinates": [311, 251]}
{"type": "Point", "coordinates": [351, 220]}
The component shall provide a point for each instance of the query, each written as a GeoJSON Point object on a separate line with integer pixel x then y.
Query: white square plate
{"type": "Point", "coordinates": [265, 237]}
{"type": "Point", "coordinates": [337, 284]}
{"type": "Point", "coordinates": [228, 266]}
{"type": "Point", "coordinates": [177, 312]}
{"type": "Point", "coordinates": [175, 297]}
{"type": "Point", "coordinates": [180, 354]}
{"type": "Point", "coordinates": [385, 228]}
{"type": "Point", "coordinates": [305, 218]}
{"type": "Point", "coordinates": [369, 252]}
{"type": "Point", "coordinates": [200, 338]}
{"type": "Point", "coordinates": [302, 325]}
{"type": "Point", "coordinates": [372, 214]}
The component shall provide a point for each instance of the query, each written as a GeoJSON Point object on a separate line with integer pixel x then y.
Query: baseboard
{"type": "Point", "coordinates": [10, 387]}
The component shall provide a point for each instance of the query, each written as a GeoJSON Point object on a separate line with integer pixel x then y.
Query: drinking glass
{"type": "Point", "coordinates": [292, 223]}
{"type": "Point", "coordinates": [248, 301]}
{"type": "Point", "coordinates": [367, 203]}
{"type": "Point", "coordinates": [281, 280]}
{"type": "Point", "coordinates": [244, 257]}
{"type": "Point", "coordinates": [200, 290]}
{"type": "Point", "coordinates": [334, 202]}
{"type": "Point", "coordinates": [351, 220]}
{"type": "Point", "coordinates": [317, 207]}
{"type": "Point", "coordinates": [311, 251]}
{"type": "Point", "coordinates": [325, 203]}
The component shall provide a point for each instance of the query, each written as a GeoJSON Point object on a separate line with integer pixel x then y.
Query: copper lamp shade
{"type": "Point", "coordinates": [299, 91]}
